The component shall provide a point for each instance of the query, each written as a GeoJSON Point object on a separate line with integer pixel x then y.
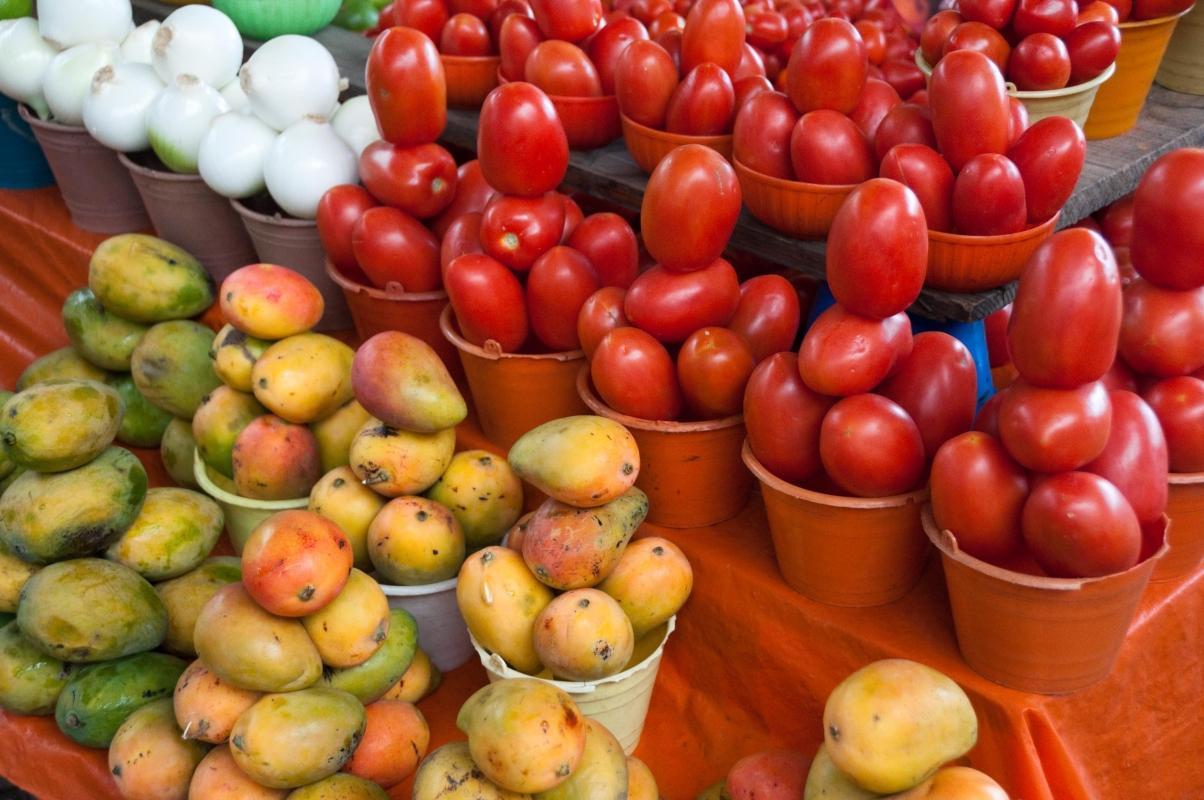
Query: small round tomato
{"type": "Point", "coordinates": [645, 79]}
{"type": "Point", "coordinates": [338, 211]}
{"type": "Point", "coordinates": [703, 104]}
{"type": "Point", "coordinates": [406, 87]}
{"type": "Point", "coordinates": [870, 447]}
{"type": "Point", "coordinates": [571, 21]}
{"type": "Point", "coordinates": [1091, 47]}
{"type": "Point", "coordinates": [601, 313]}
{"type": "Point", "coordinates": [488, 302]}
{"type": "Point", "coordinates": [937, 385]}
{"type": "Point", "coordinates": [472, 195]}
{"type": "Point", "coordinates": [392, 247]}
{"type": "Point", "coordinates": [557, 287]}
{"type": "Point", "coordinates": [1167, 208]}
{"type": "Point", "coordinates": [761, 135]}
{"type": "Point", "coordinates": [1078, 525]}
{"type": "Point", "coordinates": [982, 39]}
{"type": "Point", "coordinates": [563, 70]}
{"type": "Point", "coordinates": [672, 305]}
{"type": "Point", "coordinates": [521, 144]}
{"type": "Point", "coordinates": [1135, 458]}
{"type": "Point", "coordinates": [767, 315]}
{"type": "Point", "coordinates": [608, 44]}
{"type": "Point", "coordinates": [904, 124]}
{"type": "Point", "coordinates": [463, 236]}
{"type": "Point", "coordinates": [1050, 157]}
{"type": "Point", "coordinates": [635, 375]}
{"type": "Point", "coordinates": [465, 35]}
{"type": "Point", "coordinates": [518, 230]}
{"type": "Point", "coordinates": [428, 16]}
{"type": "Point", "coordinates": [1160, 334]}
{"type": "Point", "coordinates": [827, 147]}
{"type": "Point", "coordinates": [690, 207]}
{"type": "Point", "coordinates": [877, 99]}
{"type": "Point", "coordinates": [996, 13]}
{"type": "Point", "coordinates": [827, 68]}
{"type": "Point", "coordinates": [969, 107]}
{"type": "Point", "coordinates": [1054, 430]}
{"type": "Point", "coordinates": [988, 197]}
{"type": "Point", "coordinates": [714, 33]}
{"type": "Point", "coordinates": [1179, 404]}
{"type": "Point", "coordinates": [1045, 16]}
{"type": "Point", "coordinates": [936, 32]}
{"type": "Point", "coordinates": [611, 247]}
{"type": "Point", "coordinates": [419, 180]}
{"type": "Point", "coordinates": [783, 416]}
{"type": "Point", "coordinates": [843, 354]}
{"type": "Point", "coordinates": [904, 77]}
{"type": "Point", "coordinates": [927, 174]}
{"type": "Point", "coordinates": [519, 36]}
{"type": "Point", "coordinates": [713, 366]}
{"type": "Point", "coordinates": [978, 494]}
{"type": "Point", "coordinates": [1040, 62]}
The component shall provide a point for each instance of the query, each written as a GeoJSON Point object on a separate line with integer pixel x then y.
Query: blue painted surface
{"type": "Point", "coordinates": [22, 165]}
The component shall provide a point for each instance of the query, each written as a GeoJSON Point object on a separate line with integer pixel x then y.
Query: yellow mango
{"type": "Point", "coordinates": [826, 782]}
{"type": "Point", "coordinates": [583, 635]}
{"type": "Point", "coordinates": [641, 783]}
{"type": "Point", "coordinates": [206, 707]}
{"type": "Point", "coordinates": [484, 494]}
{"type": "Point", "coordinates": [61, 364]}
{"type": "Point", "coordinates": [371, 680]}
{"type": "Point", "coordinates": [234, 355]}
{"type": "Point", "coordinates": [401, 381]}
{"type": "Point", "coordinates": [304, 378]}
{"type": "Point", "coordinates": [172, 534]}
{"type": "Point", "coordinates": [148, 758]}
{"type": "Point", "coordinates": [59, 425]}
{"type": "Point", "coordinates": [350, 628]}
{"type": "Point", "coordinates": [177, 450]}
{"type": "Point", "coordinates": [414, 541]}
{"type": "Point", "coordinates": [145, 279]}
{"type": "Point", "coordinates": [342, 499]}
{"type": "Point", "coordinates": [422, 678]}
{"type": "Point", "coordinates": [500, 599]}
{"type": "Point", "coordinates": [394, 462]}
{"type": "Point", "coordinates": [13, 574]}
{"type": "Point", "coordinates": [335, 433]}
{"type": "Point", "coordinates": [217, 777]}
{"type": "Point", "coordinates": [573, 548]}
{"type": "Point", "coordinates": [270, 302]}
{"type": "Point", "coordinates": [956, 783]}
{"type": "Point", "coordinates": [340, 786]}
{"type": "Point", "coordinates": [219, 419]}
{"type": "Point", "coordinates": [185, 596]}
{"type": "Point", "coordinates": [584, 461]}
{"type": "Point", "coordinates": [716, 791]}
{"type": "Point", "coordinates": [602, 772]}
{"type": "Point", "coordinates": [450, 774]}
{"type": "Point", "coordinates": [652, 581]}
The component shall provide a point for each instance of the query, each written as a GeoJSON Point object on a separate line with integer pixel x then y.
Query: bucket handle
{"type": "Point", "coordinates": [493, 349]}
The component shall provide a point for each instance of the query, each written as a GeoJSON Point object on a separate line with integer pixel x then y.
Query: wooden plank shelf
{"type": "Point", "coordinates": [1169, 121]}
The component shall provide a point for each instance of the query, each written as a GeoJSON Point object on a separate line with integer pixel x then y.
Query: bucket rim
{"type": "Point", "coordinates": [789, 185]}
{"type": "Point", "coordinates": [585, 391]}
{"type": "Point", "coordinates": [1185, 478]}
{"type": "Point", "coordinates": [422, 590]}
{"type": "Point", "coordinates": [673, 138]}
{"type": "Point", "coordinates": [164, 176]}
{"type": "Point", "coordinates": [1150, 23]}
{"type": "Point", "coordinates": [355, 287]}
{"type": "Point", "coordinates": [822, 498]}
{"type": "Point", "coordinates": [492, 351]}
{"type": "Point", "coordinates": [200, 471]}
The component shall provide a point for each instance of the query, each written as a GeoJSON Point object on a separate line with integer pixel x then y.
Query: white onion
{"type": "Point", "coordinates": [200, 41]}
{"type": "Point", "coordinates": [305, 160]}
{"type": "Point", "coordinates": [233, 152]}
{"type": "Point", "coordinates": [69, 78]}
{"type": "Point", "coordinates": [24, 58]}
{"type": "Point", "coordinates": [179, 119]}
{"type": "Point", "coordinates": [355, 123]}
{"type": "Point", "coordinates": [290, 78]}
{"type": "Point", "coordinates": [138, 45]}
{"type": "Point", "coordinates": [115, 108]}
{"type": "Point", "coordinates": [66, 23]}
{"type": "Point", "coordinates": [235, 96]}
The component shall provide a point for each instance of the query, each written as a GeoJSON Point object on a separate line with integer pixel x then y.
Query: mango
{"type": "Point", "coordinates": [891, 724]}
{"type": "Point", "coordinates": [956, 783]}
{"type": "Point", "coordinates": [524, 734]}
{"type": "Point", "coordinates": [275, 460]}
{"type": "Point", "coordinates": [394, 462]}
{"type": "Point", "coordinates": [206, 707]}
{"type": "Point", "coordinates": [252, 649]}
{"type": "Point", "coordinates": [395, 740]}
{"type": "Point", "coordinates": [716, 791]}
{"type": "Point", "coordinates": [641, 783]}
{"type": "Point", "coordinates": [218, 777]}
{"type": "Point", "coordinates": [7, 465]}
{"type": "Point", "coordinates": [172, 534]}
{"type": "Point", "coordinates": [484, 494]}
{"type": "Point", "coordinates": [270, 302]}
{"type": "Point", "coordinates": [340, 786]}
{"type": "Point", "coordinates": [59, 425]}
{"type": "Point", "coordinates": [177, 449]}
{"type": "Point", "coordinates": [514, 537]}
{"type": "Point", "coordinates": [171, 366]}
{"type": "Point", "coordinates": [304, 378]}
{"type": "Point", "coordinates": [449, 773]}
{"type": "Point", "coordinates": [102, 696]}
{"type": "Point", "coordinates": [13, 574]}
{"type": "Point", "coordinates": [573, 548]}
{"type": "Point", "coordinates": [103, 338]}
{"type": "Point", "coordinates": [419, 681]}
{"type": "Point", "coordinates": [145, 279]}
{"type": "Point", "coordinates": [47, 518]}
{"type": "Point", "coordinates": [89, 609]}
{"type": "Point", "coordinates": [370, 680]}
{"type": "Point", "coordinates": [149, 760]}
{"type": "Point", "coordinates": [289, 740]}
{"type": "Point", "coordinates": [652, 581]}
{"type": "Point", "coordinates": [143, 423]}
{"type": "Point", "coordinates": [583, 461]}
{"type": "Point", "coordinates": [10, 479]}
{"type": "Point", "coordinates": [185, 596]}
{"type": "Point", "coordinates": [295, 563]}
{"type": "Point", "coordinates": [500, 599]}
{"type": "Point", "coordinates": [341, 498]}
{"type": "Point", "coordinates": [401, 381]}
{"type": "Point", "coordinates": [335, 433]}
{"type": "Point", "coordinates": [583, 635]}
{"type": "Point", "coordinates": [826, 782]}
{"type": "Point", "coordinates": [602, 772]}
{"type": "Point", "coordinates": [414, 541]}
{"type": "Point", "coordinates": [61, 364]}
{"type": "Point", "coordinates": [769, 775]}
{"type": "Point", "coordinates": [30, 680]}
{"type": "Point", "coordinates": [219, 419]}
{"type": "Point", "coordinates": [350, 628]}
{"type": "Point", "coordinates": [234, 355]}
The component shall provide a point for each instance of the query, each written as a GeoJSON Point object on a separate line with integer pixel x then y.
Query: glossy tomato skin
{"type": "Point", "coordinates": [419, 180]}
{"type": "Point", "coordinates": [518, 37]}
{"type": "Point", "coordinates": [1091, 48]}
{"type": "Point", "coordinates": [881, 222]}
{"type": "Point", "coordinates": [878, 98]}
{"type": "Point", "coordinates": [1054, 430]}
{"type": "Point", "coordinates": [1151, 9]}
{"type": "Point", "coordinates": [767, 315]}
{"type": "Point", "coordinates": [1135, 459]}
{"type": "Point", "coordinates": [1039, 63]}
{"type": "Point", "coordinates": [827, 147]}
{"type": "Point", "coordinates": [635, 375]}
{"type": "Point", "coordinates": [1017, 121]}
{"type": "Point", "coordinates": [982, 39]}
{"type": "Point", "coordinates": [1167, 208]}
{"type": "Point", "coordinates": [1120, 378]}
{"type": "Point", "coordinates": [505, 9]}
{"type": "Point", "coordinates": [562, 69]}
{"type": "Point", "coordinates": [904, 77]}
{"type": "Point", "coordinates": [1179, 405]}
{"type": "Point", "coordinates": [406, 87]}
{"type": "Point", "coordinates": [703, 104]}
{"type": "Point", "coordinates": [600, 314]}
{"type": "Point", "coordinates": [488, 302]}
{"type": "Point", "coordinates": [478, 8]}
{"type": "Point", "coordinates": [1078, 525]}
{"type": "Point", "coordinates": [1097, 11]}
{"type": "Point", "coordinates": [766, 28]}
{"type": "Point", "coordinates": [690, 208]}
{"type": "Point", "coordinates": [936, 32]}
{"type": "Point", "coordinates": [608, 44]}
{"type": "Point", "coordinates": [927, 174]}
{"type": "Point", "coordinates": [714, 33]}
{"type": "Point", "coordinates": [761, 136]}
{"type": "Point", "coordinates": [978, 494]}
{"type": "Point", "coordinates": [843, 354]}
{"type": "Point", "coordinates": [1074, 272]}
{"type": "Point", "coordinates": [1050, 157]}
{"type": "Point", "coordinates": [987, 419]}
{"type": "Point", "coordinates": [645, 79]}
{"type": "Point", "coordinates": [751, 65]}
{"type": "Point", "coordinates": [472, 195]}
{"type": "Point", "coordinates": [937, 385]}
{"type": "Point", "coordinates": [904, 124]}
{"type": "Point", "coordinates": [748, 88]}
{"type": "Point", "coordinates": [668, 21]}
{"type": "Point", "coordinates": [672, 305]}
{"type": "Point", "coordinates": [988, 197]}
{"type": "Point", "coordinates": [518, 230]}
{"type": "Point", "coordinates": [1045, 16]}
{"type": "Point", "coordinates": [1160, 334]}
{"type": "Point", "coordinates": [783, 417]}
{"type": "Point", "coordinates": [338, 211]}
{"type": "Point", "coordinates": [462, 236]}
{"type": "Point", "coordinates": [392, 247]}
{"type": "Point", "coordinates": [557, 287]}
{"type": "Point", "coordinates": [870, 447]}
{"type": "Point", "coordinates": [713, 366]}
{"type": "Point", "coordinates": [874, 39]}
{"type": "Point", "coordinates": [996, 13]}
{"type": "Point", "coordinates": [997, 336]}
{"type": "Point", "coordinates": [572, 217]}
{"type": "Point", "coordinates": [827, 68]}
{"type": "Point", "coordinates": [611, 247]}
{"type": "Point", "coordinates": [465, 35]}
{"type": "Point", "coordinates": [428, 16]}
{"type": "Point", "coordinates": [969, 107]}
{"type": "Point", "coordinates": [1116, 221]}
{"type": "Point", "coordinates": [521, 144]}
{"type": "Point", "coordinates": [570, 21]}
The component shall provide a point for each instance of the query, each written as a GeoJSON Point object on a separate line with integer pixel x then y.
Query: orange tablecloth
{"type": "Point", "coordinates": [751, 662]}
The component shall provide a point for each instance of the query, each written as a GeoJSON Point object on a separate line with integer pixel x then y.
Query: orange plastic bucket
{"type": "Point", "coordinates": [960, 263]}
{"type": "Point", "coordinates": [691, 471]}
{"type": "Point", "coordinates": [843, 551]}
{"type": "Point", "coordinates": [1185, 507]}
{"type": "Point", "coordinates": [648, 145]}
{"type": "Point", "coordinates": [515, 392]}
{"type": "Point", "coordinates": [470, 79]}
{"type": "Point", "coordinates": [588, 122]}
{"type": "Point", "coordinates": [1035, 634]}
{"type": "Point", "coordinates": [796, 208]}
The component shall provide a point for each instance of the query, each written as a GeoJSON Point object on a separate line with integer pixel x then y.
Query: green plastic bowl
{"type": "Point", "coordinates": [243, 514]}
{"type": "Point", "coordinates": [264, 19]}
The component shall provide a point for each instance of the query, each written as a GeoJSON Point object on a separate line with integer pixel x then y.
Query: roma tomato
{"type": "Point", "coordinates": [982, 39]}
{"type": "Point", "coordinates": [880, 222]}
{"type": "Point", "coordinates": [761, 136]}
{"type": "Point", "coordinates": [498, 18]}
{"type": "Point", "coordinates": [1151, 9]}
{"type": "Point", "coordinates": [394, 248]}
{"type": "Point", "coordinates": [519, 36]}
{"type": "Point", "coordinates": [463, 236]}
{"type": "Point", "coordinates": [714, 33]}
{"type": "Point", "coordinates": [874, 38]}
{"type": "Point", "coordinates": [1096, 11]}
{"type": "Point", "coordinates": [1179, 404]}
{"type": "Point", "coordinates": [1167, 208]}
{"type": "Point", "coordinates": [670, 40]}
{"type": "Point", "coordinates": [1054, 430]}
{"type": "Point", "coordinates": [472, 195]}
{"type": "Point", "coordinates": [996, 13]}
{"type": "Point", "coordinates": [601, 313]}
{"type": "Point", "coordinates": [904, 124]}
{"type": "Point", "coordinates": [1017, 120]}
{"type": "Point", "coordinates": [488, 302]}
{"type": "Point", "coordinates": [767, 315]}
{"type": "Point", "coordinates": [843, 354]}
{"type": "Point", "coordinates": [751, 65]}
{"type": "Point", "coordinates": [783, 417]}
{"type": "Point", "coordinates": [748, 88]}
{"type": "Point", "coordinates": [997, 336]}
{"type": "Point", "coordinates": [703, 104]}
{"type": "Point", "coordinates": [988, 197]}
{"type": "Point", "coordinates": [428, 16]}
{"type": "Point", "coordinates": [1040, 62]}
{"type": "Point", "coordinates": [927, 174]}
{"type": "Point", "coordinates": [562, 69]}
{"type": "Point", "coordinates": [969, 107]}
{"type": "Point", "coordinates": [987, 420]}
{"type": "Point", "coordinates": [611, 247]}
{"type": "Point", "coordinates": [1161, 331]}
{"type": "Point", "coordinates": [878, 98]}
{"type": "Point", "coordinates": [870, 447]}
{"type": "Point", "coordinates": [571, 21]}
{"type": "Point", "coordinates": [419, 180]}
{"type": "Point", "coordinates": [936, 32]}
{"type": "Point", "coordinates": [518, 230]}
{"type": "Point", "coordinates": [1119, 378]}
{"type": "Point", "coordinates": [1078, 525]}
{"type": "Point", "coordinates": [827, 68]}
{"type": "Point", "coordinates": [559, 284]}
{"type": "Point", "coordinates": [521, 144]}
{"type": "Point", "coordinates": [1135, 458]}
{"type": "Point", "coordinates": [406, 87]}
{"type": "Point", "coordinates": [1116, 221]}
{"type": "Point", "coordinates": [645, 79]}
{"type": "Point", "coordinates": [635, 375]}
{"type": "Point", "coordinates": [1045, 16]}
{"type": "Point", "coordinates": [978, 494]}
{"type": "Point", "coordinates": [338, 211]}
{"type": "Point", "coordinates": [766, 28]}
{"type": "Point", "coordinates": [478, 8]}
{"type": "Point", "coordinates": [937, 385]}
{"type": "Point", "coordinates": [713, 366]}
{"type": "Point", "coordinates": [665, 22]}
{"type": "Point", "coordinates": [690, 208]}
{"type": "Point", "coordinates": [672, 305]}
{"type": "Point", "coordinates": [827, 147]}
{"type": "Point", "coordinates": [1074, 272]}
{"type": "Point", "coordinates": [1091, 47]}
{"type": "Point", "coordinates": [904, 77]}
{"type": "Point", "coordinates": [1049, 156]}
{"type": "Point", "coordinates": [465, 35]}
{"type": "Point", "coordinates": [573, 216]}
{"type": "Point", "coordinates": [608, 44]}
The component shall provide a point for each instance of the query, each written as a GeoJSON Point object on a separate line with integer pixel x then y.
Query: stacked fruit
{"type": "Point", "coordinates": [458, 27]}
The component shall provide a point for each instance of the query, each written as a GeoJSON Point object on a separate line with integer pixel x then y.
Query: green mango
{"type": "Point", "coordinates": [13, 574]}
{"type": "Point", "coordinates": [59, 425]}
{"type": "Point", "coordinates": [172, 534]}
{"type": "Point", "coordinates": [370, 680]}
{"type": "Point", "coordinates": [30, 680]}
{"type": "Point", "coordinates": [185, 596]}
{"type": "Point", "coordinates": [172, 368]}
{"type": "Point", "coordinates": [103, 338]}
{"type": "Point", "coordinates": [222, 415]}
{"type": "Point", "coordinates": [340, 786]}
{"type": "Point", "coordinates": [94, 704]}
{"type": "Point", "coordinates": [61, 364]}
{"type": "Point", "coordinates": [145, 279]}
{"type": "Point", "coordinates": [143, 423]}
{"type": "Point", "coordinates": [7, 465]}
{"type": "Point", "coordinates": [177, 450]}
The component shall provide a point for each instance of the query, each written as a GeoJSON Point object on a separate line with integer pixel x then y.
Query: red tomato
{"type": "Point", "coordinates": [498, 18]}
{"type": "Point", "coordinates": [608, 44]}
{"type": "Point", "coordinates": [1017, 120]}
{"type": "Point", "coordinates": [463, 236]}
{"type": "Point", "coordinates": [635, 375]}
{"type": "Point", "coordinates": [996, 13]}
{"type": "Point", "coordinates": [1152, 9]}
{"type": "Point", "coordinates": [519, 36]}
{"type": "Point", "coordinates": [1074, 272]}
{"type": "Point", "coordinates": [927, 174]}
{"type": "Point", "coordinates": [1096, 11]}
{"type": "Point", "coordinates": [477, 8]}
{"type": "Point", "coordinates": [703, 104]}
{"type": "Point", "coordinates": [572, 217]}
{"type": "Point", "coordinates": [1078, 525]}
{"type": "Point", "coordinates": [751, 64]}
{"type": "Point", "coordinates": [472, 195]}
{"type": "Point", "coordinates": [767, 316]}
{"type": "Point", "coordinates": [518, 230]}
{"type": "Point", "coordinates": [1039, 63]}
{"type": "Point", "coordinates": [1054, 430]}
{"type": "Point", "coordinates": [1050, 157]}
{"type": "Point", "coordinates": [881, 222]}
{"type": "Point", "coordinates": [571, 21]}
{"type": "Point", "coordinates": [465, 35]}
{"type": "Point", "coordinates": [878, 98]}
{"type": "Point", "coordinates": [488, 302]}
{"type": "Point", "coordinates": [406, 87]}
{"type": "Point", "coordinates": [645, 79]}
{"type": "Point", "coordinates": [980, 38]}
{"type": "Point", "coordinates": [874, 38]}
{"type": "Point", "coordinates": [748, 88]}
{"type": "Point", "coordinates": [766, 28]}
{"type": "Point", "coordinates": [1167, 208]}
{"type": "Point", "coordinates": [713, 366]}
{"type": "Point", "coordinates": [419, 180]}
{"type": "Point", "coordinates": [904, 77]}
{"type": "Point", "coordinates": [870, 447]}
{"type": "Point", "coordinates": [827, 147]}
{"type": "Point", "coordinates": [1119, 378]}
{"type": "Point", "coordinates": [601, 313]}
{"type": "Point", "coordinates": [1161, 334]}
{"type": "Point", "coordinates": [988, 197]}
{"type": "Point", "coordinates": [904, 124]}
{"type": "Point", "coordinates": [714, 33]}
{"type": "Point", "coordinates": [1044, 16]}
{"type": "Point", "coordinates": [1091, 48]}
{"type": "Point", "coordinates": [1116, 221]}
{"type": "Point", "coordinates": [978, 493]}
{"type": "Point", "coordinates": [689, 209]}
{"type": "Point", "coordinates": [969, 107]}
{"type": "Point", "coordinates": [1179, 404]}
{"type": "Point", "coordinates": [611, 247]}
{"type": "Point", "coordinates": [997, 336]}
{"type": "Point", "coordinates": [843, 354]}
{"type": "Point", "coordinates": [671, 41]}
{"type": "Point", "coordinates": [559, 284]}
{"type": "Point", "coordinates": [668, 21]}
{"type": "Point", "coordinates": [562, 69]}
{"type": "Point", "coordinates": [783, 417]}
{"type": "Point", "coordinates": [987, 420]}
{"type": "Point", "coordinates": [672, 305]}
{"type": "Point", "coordinates": [1135, 458]}
{"type": "Point", "coordinates": [427, 16]}
{"type": "Point", "coordinates": [761, 135]}
{"type": "Point", "coordinates": [936, 33]}
{"type": "Point", "coordinates": [338, 211]}
{"type": "Point", "coordinates": [394, 248]}
{"type": "Point", "coordinates": [937, 385]}
{"type": "Point", "coordinates": [827, 68]}
{"type": "Point", "coordinates": [520, 142]}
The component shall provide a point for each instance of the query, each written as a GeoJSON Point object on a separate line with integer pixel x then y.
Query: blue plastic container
{"type": "Point", "coordinates": [22, 165]}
